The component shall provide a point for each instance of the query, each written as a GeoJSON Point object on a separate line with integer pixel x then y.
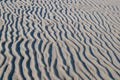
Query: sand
{"type": "Point", "coordinates": [59, 39]}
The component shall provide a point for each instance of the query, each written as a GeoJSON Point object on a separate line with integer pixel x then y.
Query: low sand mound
{"type": "Point", "coordinates": [60, 39]}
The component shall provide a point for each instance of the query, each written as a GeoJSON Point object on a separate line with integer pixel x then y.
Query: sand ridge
{"type": "Point", "coordinates": [59, 39]}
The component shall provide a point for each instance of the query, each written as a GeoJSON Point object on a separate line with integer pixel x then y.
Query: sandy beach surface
{"type": "Point", "coordinates": [59, 39]}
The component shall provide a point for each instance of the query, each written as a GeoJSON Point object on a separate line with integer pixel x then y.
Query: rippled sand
{"type": "Point", "coordinates": [59, 39]}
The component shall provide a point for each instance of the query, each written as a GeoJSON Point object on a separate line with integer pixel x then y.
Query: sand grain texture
{"type": "Point", "coordinates": [60, 40]}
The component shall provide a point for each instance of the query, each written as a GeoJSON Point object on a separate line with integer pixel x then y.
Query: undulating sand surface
{"type": "Point", "coordinates": [59, 39]}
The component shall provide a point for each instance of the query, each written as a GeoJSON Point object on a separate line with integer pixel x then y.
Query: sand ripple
{"type": "Point", "coordinates": [59, 39]}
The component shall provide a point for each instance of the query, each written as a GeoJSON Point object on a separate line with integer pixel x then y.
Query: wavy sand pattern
{"type": "Point", "coordinates": [59, 39]}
